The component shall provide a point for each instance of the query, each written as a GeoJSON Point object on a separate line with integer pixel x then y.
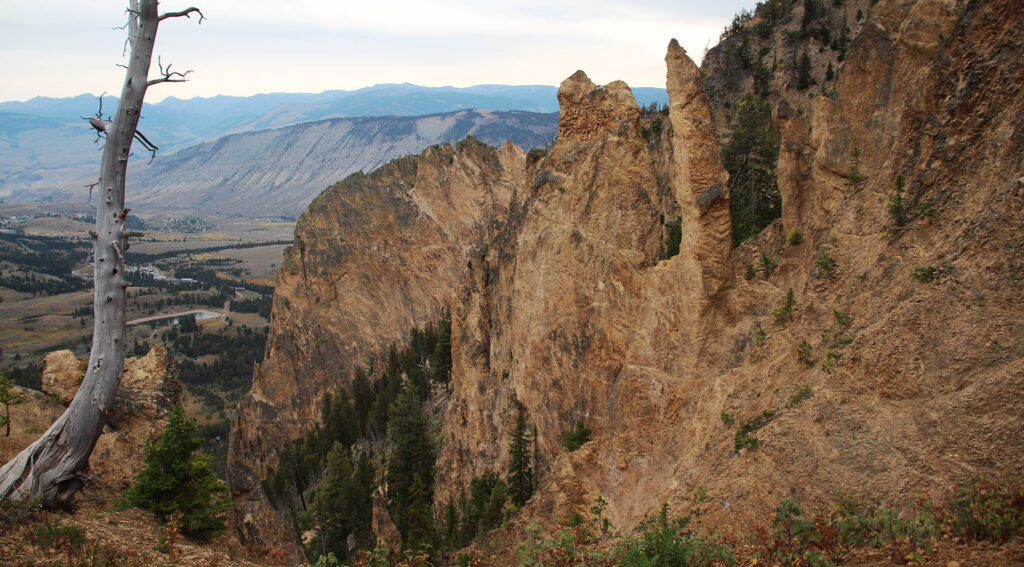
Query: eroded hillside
{"type": "Point", "coordinates": [876, 354]}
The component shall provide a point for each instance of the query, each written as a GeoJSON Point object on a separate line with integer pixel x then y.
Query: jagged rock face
{"type": "Point", "coordinates": [568, 314]}
{"type": "Point", "coordinates": [374, 256]}
{"type": "Point", "coordinates": [572, 316]}
{"type": "Point", "coordinates": [148, 391]}
{"type": "Point", "coordinates": [926, 395]}
{"type": "Point", "coordinates": [700, 182]}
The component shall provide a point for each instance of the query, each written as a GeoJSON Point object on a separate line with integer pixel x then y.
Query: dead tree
{"type": "Point", "coordinates": [54, 467]}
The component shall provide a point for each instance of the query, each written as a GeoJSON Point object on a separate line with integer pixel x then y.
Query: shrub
{"type": "Point", "coordinates": [577, 437]}
{"type": "Point", "coordinates": [670, 246]}
{"type": "Point", "coordinates": [727, 419]}
{"type": "Point", "coordinates": [854, 180]}
{"type": "Point", "coordinates": [784, 314]}
{"type": "Point", "coordinates": [760, 335]}
{"type": "Point", "coordinates": [924, 274]}
{"type": "Point", "coordinates": [176, 478]}
{"type": "Point", "coordinates": [672, 545]}
{"type": "Point", "coordinates": [767, 265]}
{"type": "Point", "coordinates": [988, 510]}
{"type": "Point", "coordinates": [52, 535]}
{"type": "Point", "coordinates": [8, 397]}
{"type": "Point", "coordinates": [826, 262]}
{"type": "Point", "coordinates": [842, 319]}
{"type": "Point", "coordinates": [803, 353]}
{"type": "Point", "coordinates": [895, 207]}
{"type": "Point", "coordinates": [801, 392]}
{"type": "Point", "coordinates": [829, 361]}
{"type": "Point", "coordinates": [744, 435]}
{"type": "Point", "coordinates": [750, 272]}
{"type": "Point", "coordinates": [794, 237]}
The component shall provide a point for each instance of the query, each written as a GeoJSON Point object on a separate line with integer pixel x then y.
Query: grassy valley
{"type": "Point", "coordinates": [216, 274]}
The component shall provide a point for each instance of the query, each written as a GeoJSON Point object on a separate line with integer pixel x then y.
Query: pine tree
{"type": "Point", "coordinates": [896, 202]}
{"type": "Point", "coordinates": [8, 397]}
{"type": "Point", "coordinates": [343, 505]}
{"type": "Point", "coordinates": [441, 360]}
{"type": "Point", "coordinates": [450, 526]}
{"type": "Point", "coordinates": [363, 397]}
{"type": "Point", "coordinates": [419, 517]}
{"type": "Point", "coordinates": [411, 462]}
{"type": "Point", "coordinates": [750, 156]}
{"type": "Point", "coordinates": [803, 71]}
{"type": "Point", "coordinates": [175, 478]}
{"type": "Point", "coordinates": [334, 503]}
{"type": "Point", "coordinates": [520, 473]}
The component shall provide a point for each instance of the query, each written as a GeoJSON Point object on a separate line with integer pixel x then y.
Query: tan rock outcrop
{"type": "Point", "coordinates": [374, 256]}
{"type": "Point", "coordinates": [566, 311]}
{"type": "Point", "coordinates": [62, 375]}
{"type": "Point", "coordinates": [700, 183]}
{"type": "Point", "coordinates": [586, 323]}
{"type": "Point", "coordinates": [148, 391]}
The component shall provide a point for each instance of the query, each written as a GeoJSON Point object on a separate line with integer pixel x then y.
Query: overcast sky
{"type": "Point", "coordinates": [63, 48]}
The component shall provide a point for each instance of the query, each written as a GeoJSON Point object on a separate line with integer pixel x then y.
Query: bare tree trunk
{"type": "Point", "coordinates": [56, 465]}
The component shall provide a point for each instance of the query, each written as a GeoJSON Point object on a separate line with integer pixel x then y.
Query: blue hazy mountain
{"type": "Point", "coordinates": [47, 148]}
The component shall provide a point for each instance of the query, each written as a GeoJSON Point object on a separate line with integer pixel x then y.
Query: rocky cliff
{"type": "Point", "coordinates": [343, 297]}
{"type": "Point", "coordinates": [903, 328]}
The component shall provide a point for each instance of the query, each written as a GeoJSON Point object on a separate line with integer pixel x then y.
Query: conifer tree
{"type": "Point", "coordinates": [174, 477]}
{"type": "Point", "coordinates": [520, 473]}
{"type": "Point", "coordinates": [333, 505]}
{"type": "Point", "coordinates": [450, 526]}
{"type": "Point", "coordinates": [411, 463]}
{"type": "Point", "coordinates": [750, 156]}
{"type": "Point", "coordinates": [8, 397]}
{"type": "Point", "coordinates": [803, 71]}
{"type": "Point", "coordinates": [441, 361]}
{"type": "Point", "coordinates": [343, 506]}
{"type": "Point", "coordinates": [896, 202]}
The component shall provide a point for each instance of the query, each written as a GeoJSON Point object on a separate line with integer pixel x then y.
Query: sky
{"type": "Point", "coordinates": [60, 48]}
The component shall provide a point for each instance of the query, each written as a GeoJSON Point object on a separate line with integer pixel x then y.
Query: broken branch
{"type": "Point", "coordinates": [184, 13]}
{"type": "Point", "coordinates": [168, 76]}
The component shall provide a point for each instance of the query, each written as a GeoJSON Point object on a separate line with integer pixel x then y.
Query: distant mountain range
{"type": "Point", "coordinates": [47, 150]}
{"type": "Point", "coordinates": [277, 172]}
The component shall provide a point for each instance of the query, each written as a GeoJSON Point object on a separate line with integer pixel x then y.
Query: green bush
{"type": "Point", "coordinates": [577, 437]}
{"type": "Point", "coordinates": [801, 392]}
{"type": "Point", "coordinates": [924, 274]}
{"type": "Point", "coordinates": [842, 319]}
{"type": "Point", "coordinates": [745, 434]}
{"type": "Point", "coordinates": [829, 362]}
{"type": "Point", "coordinates": [803, 353]}
{"type": "Point", "coordinates": [784, 314]}
{"type": "Point", "coordinates": [794, 237]}
{"type": "Point", "coordinates": [988, 510]}
{"type": "Point", "coordinates": [671, 546]}
{"type": "Point", "coordinates": [174, 477]}
{"type": "Point", "coordinates": [670, 246]}
{"type": "Point", "coordinates": [826, 262]}
{"type": "Point", "coordinates": [53, 535]}
{"type": "Point", "coordinates": [767, 265]}
{"type": "Point", "coordinates": [895, 207]}
{"type": "Point", "coordinates": [749, 272]}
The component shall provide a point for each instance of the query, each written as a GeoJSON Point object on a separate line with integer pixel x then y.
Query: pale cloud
{"type": "Point", "coordinates": [64, 47]}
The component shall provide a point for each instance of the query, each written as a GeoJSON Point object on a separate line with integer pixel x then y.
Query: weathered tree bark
{"type": "Point", "coordinates": [54, 467]}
